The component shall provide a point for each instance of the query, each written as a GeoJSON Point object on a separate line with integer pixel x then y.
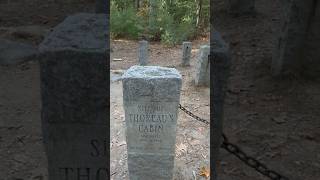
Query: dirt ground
{"type": "Point", "coordinates": [275, 120]}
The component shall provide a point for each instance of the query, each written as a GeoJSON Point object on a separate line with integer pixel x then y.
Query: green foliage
{"type": "Point", "coordinates": [169, 21]}
{"type": "Point", "coordinates": [124, 23]}
{"type": "Point", "coordinates": [174, 33]}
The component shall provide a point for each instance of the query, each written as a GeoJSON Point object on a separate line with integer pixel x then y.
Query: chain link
{"type": "Point", "coordinates": [250, 161]}
{"type": "Point", "coordinates": [192, 115]}
{"type": "Point", "coordinates": [235, 150]}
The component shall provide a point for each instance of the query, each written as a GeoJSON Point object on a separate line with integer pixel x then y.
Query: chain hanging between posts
{"type": "Point", "coordinates": [192, 115]}
{"type": "Point", "coordinates": [235, 150]}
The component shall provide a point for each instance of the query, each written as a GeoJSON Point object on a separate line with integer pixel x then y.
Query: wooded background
{"type": "Point", "coordinates": [168, 21]}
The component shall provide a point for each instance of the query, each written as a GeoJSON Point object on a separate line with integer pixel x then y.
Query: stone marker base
{"type": "Point", "coordinates": [81, 153]}
{"type": "Point", "coordinates": [153, 166]}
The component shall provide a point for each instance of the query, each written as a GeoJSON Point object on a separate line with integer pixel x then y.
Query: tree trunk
{"type": "Point", "coordinates": [152, 15]}
{"type": "Point", "coordinates": [137, 4]}
{"type": "Point", "coordinates": [199, 12]}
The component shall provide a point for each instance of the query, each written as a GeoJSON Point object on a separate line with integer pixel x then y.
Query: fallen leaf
{"type": "Point", "coordinates": [181, 148]}
{"type": "Point", "coordinates": [204, 171]}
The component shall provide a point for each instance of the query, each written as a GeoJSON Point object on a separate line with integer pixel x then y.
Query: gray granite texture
{"type": "Point", "coordinates": [297, 46]}
{"type": "Point", "coordinates": [74, 96]}
{"type": "Point", "coordinates": [151, 98]}
{"type": "Point", "coordinates": [202, 73]}
{"type": "Point", "coordinates": [186, 53]}
{"type": "Point", "coordinates": [143, 53]}
{"type": "Point", "coordinates": [79, 32]}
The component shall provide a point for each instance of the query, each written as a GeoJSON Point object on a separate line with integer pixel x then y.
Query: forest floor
{"type": "Point", "coordinates": [275, 120]}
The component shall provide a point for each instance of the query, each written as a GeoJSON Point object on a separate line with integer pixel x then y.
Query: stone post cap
{"type": "Point", "coordinates": [204, 51]}
{"type": "Point", "coordinates": [151, 72]}
{"type": "Point", "coordinates": [80, 32]}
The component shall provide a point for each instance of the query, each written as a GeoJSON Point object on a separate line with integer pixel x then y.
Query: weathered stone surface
{"type": "Point", "coordinates": [143, 53]}
{"type": "Point", "coordinates": [15, 52]}
{"type": "Point", "coordinates": [151, 98]}
{"type": "Point", "coordinates": [75, 99]}
{"type": "Point", "coordinates": [80, 32]}
{"type": "Point", "coordinates": [186, 53]}
{"type": "Point", "coordinates": [288, 53]}
{"type": "Point", "coordinates": [238, 7]}
{"type": "Point", "coordinates": [202, 77]}
{"type": "Point", "coordinates": [311, 54]}
{"type": "Point", "coordinates": [220, 62]}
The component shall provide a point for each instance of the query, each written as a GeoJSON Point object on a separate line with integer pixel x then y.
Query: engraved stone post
{"type": "Point", "coordinates": [202, 77]}
{"type": "Point", "coordinates": [151, 98]}
{"type": "Point", "coordinates": [75, 98]}
{"type": "Point", "coordinates": [186, 53]}
{"type": "Point", "coordinates": [143, 53]}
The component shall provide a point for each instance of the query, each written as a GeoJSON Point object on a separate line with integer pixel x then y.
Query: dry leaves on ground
{"type": "Point", "coordinates": [204, 172]}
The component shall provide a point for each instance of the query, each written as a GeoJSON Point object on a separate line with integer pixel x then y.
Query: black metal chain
{"type": "Point", "coordinates": [235, 150]}
{"type": "Point", "coordinates": [192, 115]}
{"type": "Point", "coordinates": [250, 161]}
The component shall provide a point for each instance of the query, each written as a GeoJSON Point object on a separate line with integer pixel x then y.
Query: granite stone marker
{"type": "Point", "coordinates": [151, 96]}
{"type": "Point", "coordinates": [186, 53]}
{"type": "Point", "coordinates": [143, 53]}
{"type": "Point", "coordinates": [75, 98]}
{"type": "Point", "coordinates": [202, 77]}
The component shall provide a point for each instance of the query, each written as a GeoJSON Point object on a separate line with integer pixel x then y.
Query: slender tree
{"type": "Point", "coordinates": [137, 4]}
{"type": "Point", "coordinates": [199, 13]}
